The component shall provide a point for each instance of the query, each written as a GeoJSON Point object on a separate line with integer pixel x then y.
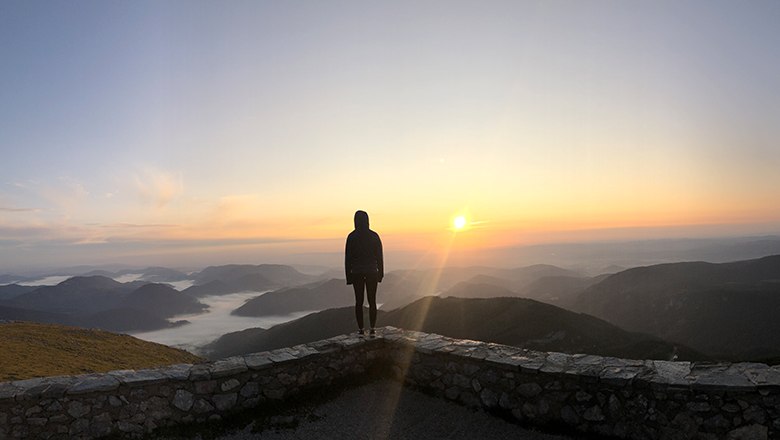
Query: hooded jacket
{"type": "Point", "coordinates": [363, 254]}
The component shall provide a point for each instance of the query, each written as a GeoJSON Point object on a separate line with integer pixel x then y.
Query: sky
{"type": "Point", "coordinates": [188, 132]}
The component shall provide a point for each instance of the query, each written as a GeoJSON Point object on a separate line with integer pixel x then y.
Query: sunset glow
{"type": "Point", "coordinates": [187, 134]}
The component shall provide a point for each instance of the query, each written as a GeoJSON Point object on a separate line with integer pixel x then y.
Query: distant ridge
{"type": "Point", "coordinates": [512, 321]}
{"type": "Point", "coordinates": [98, 301]}
{"type": "Point", "coordinates": [727, 310]}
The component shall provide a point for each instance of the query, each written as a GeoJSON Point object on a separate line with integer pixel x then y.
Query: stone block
{"type": "Point", "coordinates": [750, 432]}
{"type": "Point", "coordinates": [763, 376]}
{"type": "Point", "coordinates": [128, 427]}
{"type": "Point", "coordinates": [176, 372]}
{"type": "Point", "coordinates": [251, 389]}
{"type": "Point", "coordinates": [722, 380]}
{"type": "Point", "coordinates": [140, 377]}
{"type": "Point", "coordinates": [8, 391]}
{"type": "Point", "coordinates": [228, 367]}
{"type": "Point", "coordinates": [488, 398]}
{"type": "Point", "coordinates": [205, 386]}
{"type": "Point", "coordinates": [183, 400]}
{"type": "Point", "coordinates": [202, 406]}
{"type": "Point", "coordinates": [619, 376]}
{"type": "Point", "coordinates": [528, 390]}
{"type": "Point", "coordinates": [77, 409]}
{"type": "Point", "coordinates": [274, 393]}
{"type": "Point", "coordinates": [224, 402]}
{"type": "Point", "coordinates": [200, 372]}
{"type": "Point", "coordinates": [281, 356]}
{"type": "Point", "coordinates": [558, 359]}
{"type": "Point", "coordinates": [229, 384]}
{"type": "Point", "coordinates": [569, 416]}
{"type": "Point", "coordinates": [594, 414]}
{"type": "Point", "coordinates": [452, 393]}
{"type": "Point", "coordinates": [258, 361]}
{"type": "Point", "coordinates": [303, 351]}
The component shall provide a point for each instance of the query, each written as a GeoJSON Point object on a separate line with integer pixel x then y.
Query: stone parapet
{"type": "Point", "coordinates": [636, 399]}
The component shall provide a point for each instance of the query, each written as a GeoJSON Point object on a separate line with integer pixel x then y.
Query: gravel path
{"type": "Point", "coordinates": [386, 410]}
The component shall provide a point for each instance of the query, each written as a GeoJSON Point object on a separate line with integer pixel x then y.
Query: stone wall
{"type": "Point", "coordinates": [131, 403]}
{"type": "Point", "coordinates": [582, 393]}
{"type": "Point", "coordinates": [593, 394]}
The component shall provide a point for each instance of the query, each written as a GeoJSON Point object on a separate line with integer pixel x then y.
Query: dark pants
{"type": "Point", "coordinates": [369, 281]}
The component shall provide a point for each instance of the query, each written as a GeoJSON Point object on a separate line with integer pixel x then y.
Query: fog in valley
{"type": "Point", "coordinates": [204, 328]}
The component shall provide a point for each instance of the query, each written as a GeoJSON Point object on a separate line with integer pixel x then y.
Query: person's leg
{"type": "Point", "coordinates": [371, 284]}
{"type": "Point", "coordinates": [358, 284]}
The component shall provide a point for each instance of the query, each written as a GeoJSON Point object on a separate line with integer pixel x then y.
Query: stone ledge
{"type": "Point", "coordinates": [612, 371]}
{"type": "Point", "coordinates": [603, 395]}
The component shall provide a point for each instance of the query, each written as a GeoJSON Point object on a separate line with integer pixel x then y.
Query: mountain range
{"type": "Point", "coordinates": [513, 321]}
{"type": "Point", "coordinates": [723, 310]}
{"type": "Point", "coordinates": [402, 287]}
{"type": "Point", "coordinates": [234, 278]}
{"type": "Point", "coordinates": [727, 310]}
{"type": "Point", "coordinates": [98, 301]}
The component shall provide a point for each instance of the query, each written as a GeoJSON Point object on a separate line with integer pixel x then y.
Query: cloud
{"type": "Point", "coordinates": [11, 209]}
{"type": "Point", "coordinates": [157, 187]}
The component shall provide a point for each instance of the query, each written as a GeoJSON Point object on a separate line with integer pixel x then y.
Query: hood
{"type": "Point", "coordinates": [361, 220]}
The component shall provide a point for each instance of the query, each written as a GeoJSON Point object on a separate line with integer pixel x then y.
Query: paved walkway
{"type": "Point", "coordinates": [386, 410]}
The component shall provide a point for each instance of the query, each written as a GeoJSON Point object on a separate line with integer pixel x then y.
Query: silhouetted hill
{"type": "Point", "coordinates": [161, 274]}
{"type": "Point", "coordinates": [526, 275]}
{"type": "Point", "coordinates": [405, 286]}
{"type": "Point", "coordinates": [726, 309]}
{"type": "Point", "coordinates": [561, 291]}
{"type": "Point", "coordinates": [37, 350]}
{"type": "Point", "coordinates": [312, 327]}
{"type": "Point", "coordinates": [473, 290]}
{"type": "Point", "coordinates": [530, 324]}
{"type": "Point", "coordinates": [162, 300]}
{"type": "Point", "coordinates": [318, 296]}
{"type": "Point", "coordinates": [12, 290]}
{"type": "Point", "coordinates": [124, 319]}
{"type": "Point", "coordinates": [10, 279]}
{"type": "Point", "coordinates": [75, 295]}
{"type": "Point", "coordinates": [259, 277]}
{"type": "Point", "coordinates": [513, 321]}
{"type": "Point", "coordinates": [17, 314]}
{"type": "Point", "coordinates": [210, 288]}
{"type": "Point", "coordinates": [98, 301]}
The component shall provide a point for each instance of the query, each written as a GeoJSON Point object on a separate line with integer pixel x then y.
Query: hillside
{"type": "Point", "coordinates": [35, 350]}
{"type": "Point", "coordinates": [162, 300]}
{"type": "Point", "coordinates": [233, 278]}
{"type": "Point", "coordinates": [75, 295]}
{"type": "Point", "coordinates": [561, 291]}
{"type": "Point", "coordinates": [727, 310]}
{"type": "Point", "coordinates": [398, 288]}
{"type": "Point", "coordinates": [477, 290]}
{"type": "Point", "coordinates": [512, 321]}
{"type": "Point", "coordinates": [312, 327]}
{"type": "Point", "coordinates": [98, 301]}
{"type": "Point", "coordinates": [319, 296]}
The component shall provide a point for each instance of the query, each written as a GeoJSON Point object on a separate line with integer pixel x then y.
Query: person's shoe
{"type": "Point", "coordinates": [372, 333]}
{"type": "Point", "coordinates": [361, 332]}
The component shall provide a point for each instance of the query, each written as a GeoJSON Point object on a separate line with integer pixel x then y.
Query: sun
{"type": "Point", "coordinates": [459, 222]}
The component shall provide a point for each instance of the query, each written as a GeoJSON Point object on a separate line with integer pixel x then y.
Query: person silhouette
{"type": "Point", "coordinates": [364, 266]}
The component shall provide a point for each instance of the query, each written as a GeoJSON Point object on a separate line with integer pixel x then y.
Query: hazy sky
{"type": "Point", "coordinates": [136, 131]}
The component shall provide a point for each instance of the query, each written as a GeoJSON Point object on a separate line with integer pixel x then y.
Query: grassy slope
{"type": "Point", "coordinates": [35, 350]}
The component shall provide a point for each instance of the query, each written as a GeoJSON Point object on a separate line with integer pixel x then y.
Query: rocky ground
{"type": "Point", "coordinates": [383, 410]}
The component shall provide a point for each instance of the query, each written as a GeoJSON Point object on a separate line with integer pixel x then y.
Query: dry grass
{"type": "Point", "coordinates": [35, 350]}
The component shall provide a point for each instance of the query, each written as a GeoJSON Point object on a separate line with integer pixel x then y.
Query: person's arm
{"type": "Point", "coordinates": [379, 259]}
{"type": "Point", "coordinates": [348, 261]}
